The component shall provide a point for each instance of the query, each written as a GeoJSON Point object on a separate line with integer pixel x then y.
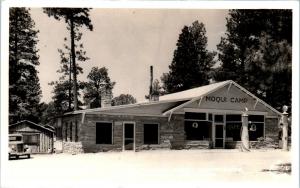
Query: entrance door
{"type": "Point", "coordinates": [219, 123]}
{"type": "Point", "coordinates": [219, 140]}
{"type": "Point", "coordinates": [128, 136]}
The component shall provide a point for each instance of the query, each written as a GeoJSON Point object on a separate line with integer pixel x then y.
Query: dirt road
{"type": "Point", "coordinates": [191, 168]}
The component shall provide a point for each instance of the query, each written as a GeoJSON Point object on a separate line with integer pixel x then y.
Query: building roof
{"type": "Point", "coordinates": [195, 92]}
{"type": "Point", "coordinates": [169, 103]}
{"type": "Point", "coordinates": [30, 122]}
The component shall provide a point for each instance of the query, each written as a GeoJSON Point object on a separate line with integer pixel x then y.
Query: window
{"type": "Point", "coordinates": [219, 118]}
{"type": "Point", "coordinates": [103, 133]}
{"type": "Point", "coordinates": [234, 117]}
{"type": "Point", "coordinates": [76, 132]}
{"type": "Point", "coordinates": [71, 126]}
{"type": "Point", "coordinates": [31, 138]}
{"type": "Point", "coordinates": [233, 131]}
{"type": "Point", "coordinates": [151, 134]}
{"type": "Point", "coordinates": [197, 130]}
{"type": "Point", "coordinates": [66, 132]}
{"type": "Point", "coordinates": [195, 116]}
{"type": "Point", "coordinates": [233, 127]}
{"type": "Point", "coordinates": [256, 127]}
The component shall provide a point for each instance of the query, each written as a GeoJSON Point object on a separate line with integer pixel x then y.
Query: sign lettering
{"type": "Point", "coordinates": [225, 99]}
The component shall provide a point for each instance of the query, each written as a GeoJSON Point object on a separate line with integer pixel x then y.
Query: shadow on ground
{"type": "Point", "coordinates": [282, 168]}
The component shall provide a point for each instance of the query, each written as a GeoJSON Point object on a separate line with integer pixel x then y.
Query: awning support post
{"type": "Point", "coordinates": [200, 101]}
{"type": "Point", "coordinates": [170, 116]}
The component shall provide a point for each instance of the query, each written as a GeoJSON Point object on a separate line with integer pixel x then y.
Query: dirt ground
{"type": "Point", "coordinates": [182, 168]}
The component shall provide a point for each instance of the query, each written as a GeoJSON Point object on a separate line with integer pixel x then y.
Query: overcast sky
{"type": "Point", "coordinates": [126, 41]}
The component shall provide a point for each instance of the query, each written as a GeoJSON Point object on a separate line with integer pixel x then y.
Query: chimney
{"type": "Point", "coordinates": [106, 98]}
{"type": "Point", "coordinates": [153, 95]}
{"type": "Point", "coordinates": [151, 82]}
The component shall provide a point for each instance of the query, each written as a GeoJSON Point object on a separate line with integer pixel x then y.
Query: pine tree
{"type": "Point", "coordinates": [123, 99]}
{"type": "Point", "coordinates": [98, 85]}
{"type": "Point", "coordinates": [75, 19]}
{"type": "Point", "coordinates": [191, 62]}
{"type": "Point", "coordinates": [24, 87]}
{"type": "Point", "coordinates": [256, 41]}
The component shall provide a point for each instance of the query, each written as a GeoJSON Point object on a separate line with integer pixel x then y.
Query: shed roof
{"type": "Point", "coordinates": [30, 122]}
{"type": "Point", "coordinates": [174, 101]}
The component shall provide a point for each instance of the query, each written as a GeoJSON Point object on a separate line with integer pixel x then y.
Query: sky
{"type": "Point", "coordinates": [126, 41]}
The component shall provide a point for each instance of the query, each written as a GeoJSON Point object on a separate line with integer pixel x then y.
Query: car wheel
{"type": "Point", "coordinates": [17, 156]}
{"type": "Point", "coordinates": [28, 156]}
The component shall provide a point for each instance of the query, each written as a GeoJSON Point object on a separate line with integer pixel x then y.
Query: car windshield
{"type": "Point", "coordinates": [15, 138]}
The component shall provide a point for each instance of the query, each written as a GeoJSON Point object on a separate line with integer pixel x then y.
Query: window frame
{"type": "Point", "coordinates": [112, 132]}
{"type": "Point", "coordinates": [158, 132]}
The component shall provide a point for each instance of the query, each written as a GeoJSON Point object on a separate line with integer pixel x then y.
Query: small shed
{"type": "Point", "coordinates": [38, 138]}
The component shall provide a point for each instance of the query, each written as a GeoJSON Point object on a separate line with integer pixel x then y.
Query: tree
{"type": "Point", "coordinates": [75, 19]}
{"type": "Point", "coordinates": [24, 87]}
{"type": "Point", "coordinates": [191, 62]}
{"type": "Point", "coordinates": [123, 99]}
{"type": "Point", "coordinates": [256, 41]}
{"type": "Point", "coordinates": [157, 89]}
{"type": "Point", "coordinates": [98, 86]}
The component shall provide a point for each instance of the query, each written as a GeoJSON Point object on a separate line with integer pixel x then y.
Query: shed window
{"type": "Point", "coordinates": [31, 138]}
{"type": "Point", "coordinates": [103, 133]}
{"type": "Point", "coordinates": [66, 132]}
{"type": "Point", "coordinates": [76, 132]}
{"type": "Point", "coordinates": [150, 133]}
{"type": "Point", "coordinates": [71, 126]}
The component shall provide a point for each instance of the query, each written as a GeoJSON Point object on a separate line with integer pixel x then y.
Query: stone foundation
{"type": "Point", "coordinates": [72, 147]}
{"type": "Point", "coordinates": [198, 144]}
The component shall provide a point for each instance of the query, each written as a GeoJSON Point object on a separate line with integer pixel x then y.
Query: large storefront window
{"type": "Point", "coordinates": [256, 127]}
{"type": "Point", "coordinates": [197, 130]}
{"type": "Point", "coordinates": [234, 125]}
{"type": "Point", "coordinates": [197, 127]}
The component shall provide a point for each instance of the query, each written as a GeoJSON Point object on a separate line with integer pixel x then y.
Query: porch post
{"type": "Point", "coordinates": [244, 132]}
{"type": "Point", "coordinates": [284, 138]}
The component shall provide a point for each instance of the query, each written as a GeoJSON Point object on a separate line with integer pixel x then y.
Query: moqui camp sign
{"type": "Point", "coordinates": [219, 99]}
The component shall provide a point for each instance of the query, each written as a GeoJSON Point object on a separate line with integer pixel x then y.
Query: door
{"type": "Point", "coordinates": [219, 122]}
{"type": "Point", "coordinates": [128, 136]}
{"type": "Point", "coordinates": [219, 140]}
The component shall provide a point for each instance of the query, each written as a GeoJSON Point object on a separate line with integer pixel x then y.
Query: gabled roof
{"type": "Point", "coordinates": [175, 101]}
{"type": "Point", "coordinates": [30, 122]}
{"type": "Point", "coordinates": [195, 92]}
{"type": "Point", "coordinates": [207, 90]}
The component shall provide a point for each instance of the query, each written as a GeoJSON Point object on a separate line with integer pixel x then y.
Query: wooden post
{"type": "Point", "coordinates": [284, 117]}
{"type": "Point", "coordinates": [245, 133]}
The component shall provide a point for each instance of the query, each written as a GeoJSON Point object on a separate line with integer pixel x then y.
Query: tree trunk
{"type": "Point", "coordinates": [70, 83]}
{"type": "Point", "coordinates": [74, 64]}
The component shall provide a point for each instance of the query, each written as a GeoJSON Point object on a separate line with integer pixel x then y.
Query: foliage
{"type": "Point", "coordinates": [157, 89]}
{"type": "Point", "coordinates": [24, 87]}
{"type": "Point", "coordinates": [98, 85]}
{"type": "Point", "coordinates": [257, 46]}
{"type": "Point", "coordinates": [123, 99]}
{"type": "Point", "coordinates": [75, 18]}
{"type": "Point", "coordinates": [191, 62]}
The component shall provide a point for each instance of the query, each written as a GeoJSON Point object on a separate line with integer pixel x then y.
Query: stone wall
{"type": "Point", "coordinates": [272, 129]}
{"type": "Point", "coordinates": [87, 133]}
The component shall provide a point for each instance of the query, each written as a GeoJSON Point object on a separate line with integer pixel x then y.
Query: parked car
{"type": "Point", "coordinates": [17, 147]}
